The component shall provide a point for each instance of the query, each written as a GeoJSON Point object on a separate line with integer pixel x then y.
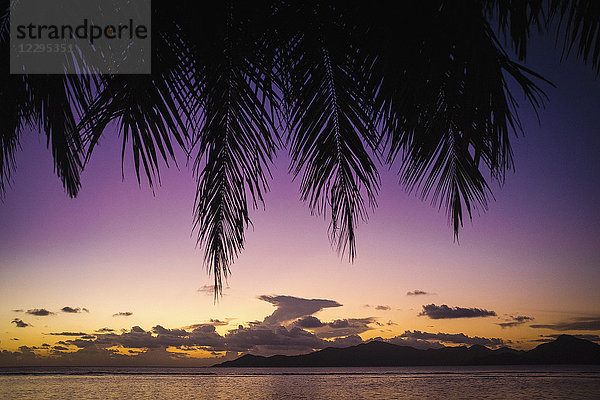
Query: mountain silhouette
{"type": "Point", "coordinates": [565, 349]}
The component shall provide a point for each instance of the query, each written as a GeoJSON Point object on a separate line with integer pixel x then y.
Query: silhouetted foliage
{"type": "Point", "coordinates": [423, 86]}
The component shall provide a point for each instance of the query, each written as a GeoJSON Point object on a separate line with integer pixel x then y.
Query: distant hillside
{"type": "Point", "coordinates": [564, 350]}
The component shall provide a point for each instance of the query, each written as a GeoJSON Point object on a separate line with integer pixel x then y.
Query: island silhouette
{"type": "Point", "coordinates": [565, 349]}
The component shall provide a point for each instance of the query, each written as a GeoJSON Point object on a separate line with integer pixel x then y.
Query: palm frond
{"type": "Point", "coordinates": [237, 139]}
{"type": "Point", "coordinates": [447, 118]}
{"type": "Point", "coordinates": [56, 102]}
{"type": "Point", "coordinates": [579, 25]}
{"type": "Point", "coordinates": [14, 109]}
{"type": "Point", "coordinates": [13, 114]}
{"type": "Point", "coordinates": [147, 116]}
{"type": "Point", "coordinates": [426, 84]}
{"type": "Point", "coordinates": [330, 128]}
{"type": "Point", "coordinates": [516, 19]}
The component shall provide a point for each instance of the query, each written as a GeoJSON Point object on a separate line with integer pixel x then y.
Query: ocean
{"type": "Point", "coordinates": [488, 382]}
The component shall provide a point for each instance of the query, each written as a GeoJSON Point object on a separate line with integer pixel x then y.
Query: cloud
{"type": "Point", "coordinates": [123, 314]}
{"type": "Point", "coordinates": [158, 329]}
{"type": "Point", "coordinates": [39, 312]}
{"type": "Point", "coordinates": [66, 334]}
{"type": "Point", "coordinates": [515, 321]}
{"type": "Point", "coordinates": [575, 324]}
{"type": "Point", "coordinates": [383, 308]}
{"type": "Point", "coordinates": [457, 338]}
{"type": "Point", "coordinates": [416, 343]}
{"type": "Point", "coordinates": [73, 310]}
{"type": "Point", "coordinates": [211, 322]}
{"type": "Point", "coordinates": [20, 323]}
{"type": "Point", "coordinates": [309, 322]}
{"type": "Point", "coordinates": [14, 338]}
{"type": "Point", "coordinates": [337, 328]}
{"type": "Point", "coordinates": [105, 330]}
{"type": "Point", "coordinates": [217, 322]}
{"type": "Point", "coordinates": [347, 341]}
{"type": "Point", "coordinates": [290, 308]}
{"type": "Point", "coordinates": [444, 312]}
{"type": "Point", "coordinates": [344, 327]}
{"type": "Point", "coordinates": [290, 329]}
{"type": "Point", "coordinates": [418, 293]}
{"type": "Point", "coordinates": [260, 339]}
{"type": "Point", "coordinates": [149, 347]}
{"type": "Point", "coordinates": [276, 340]}
{"type": "Point", "coordinates": [17, 311]}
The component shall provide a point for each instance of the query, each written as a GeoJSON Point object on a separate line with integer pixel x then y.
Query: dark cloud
{"type": "Point", "coordinates": [575, 324]}
{"type": "Point", "coordinates": [14, 338]}
{"type": "Point", "coordinates": [412, 342]}
{"type": "Point", "coordinates": [444, 312]}
{"type": "Point", "coordinates": [417, 293]}
{"type": "Point", "coordinates": [457, 338]}
{"type": "Point", "coordinates": [339, 324]}
{"type": "Point", "coordinates": [217, 322]}
{"type": "Point", "coordinates": [66, 334]}
{"type": "Point", "coordinates": [346, 341]}
{"type": "Point", "coordinates": [45, 345]}
{"type": "Point", "coordinates": [290, 308]}
{"type": "Point", "coordinates": [297, 331]}
{"type": "Point", "coordinates": [515, 320]}
{"type": "Point", "coordinates": [74, 310]}
{"type": "Point", "coordinates": [213, 322]}
{"type": "Point", "coordinates": [105, 330]}
{"type": "Point", "coordinates": [344, 327]}
{"type": "Point", "coordinates": [163, 331]}
{"type": "Point", "coordinates": [17, 311]}
{"type": "Point", "coordinates": [39, 312]}
{"type": "Point", "coordinates": [123, 314]}
{"type": "Point", "coordinates": [20, 323]}
{"type": "Point", "coordinates": [309, 322]}
{"type": "Point", "coordinates": [337, 328]}
{"type": "Point", "coordinates": [276, 340]}
{"type": "Point", "coordinates": [262, 340]}
{"type": "Point", "coordinates": [383, 308]}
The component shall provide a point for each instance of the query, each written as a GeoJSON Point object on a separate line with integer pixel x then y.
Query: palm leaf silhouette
{"type": "Point", "coordinates": [424, 87]}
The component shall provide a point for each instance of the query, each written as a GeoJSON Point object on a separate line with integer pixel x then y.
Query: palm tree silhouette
{"type": "Point", "coordinates": [344, 85]}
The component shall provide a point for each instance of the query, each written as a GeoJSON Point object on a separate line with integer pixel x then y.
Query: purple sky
{"type": "Point", "coordinates": [117, 248]}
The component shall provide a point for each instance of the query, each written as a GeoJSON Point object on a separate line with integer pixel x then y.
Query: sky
{"type": "Point", "coordinates": [114, 276]}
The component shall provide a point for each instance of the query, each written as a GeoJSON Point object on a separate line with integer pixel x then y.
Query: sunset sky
{"type": "Point", "coordinates": [116, 270]}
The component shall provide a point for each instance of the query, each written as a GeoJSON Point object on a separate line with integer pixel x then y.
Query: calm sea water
{"type": "Point", "coordinates": [518, 382]}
